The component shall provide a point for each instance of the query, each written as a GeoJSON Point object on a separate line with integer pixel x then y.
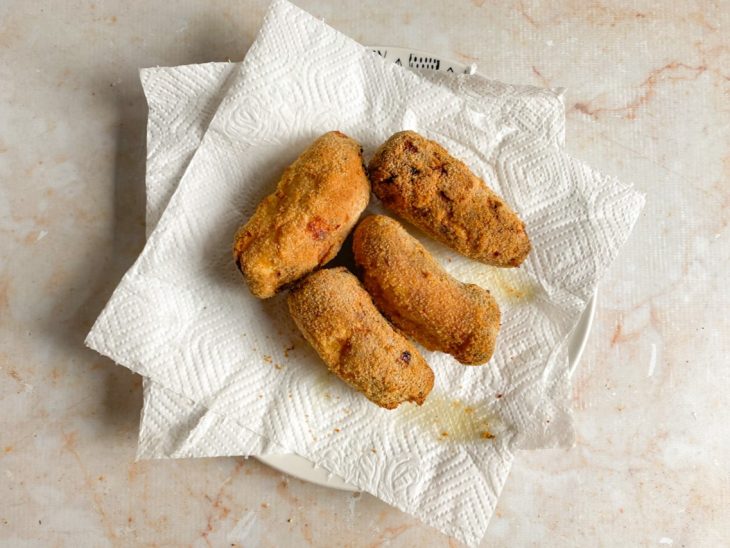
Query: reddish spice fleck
{"type": "Point", "coordinates": [345, 348]}
{"type": "Point", "coordinates": [410, 147]}
{"type": "Point", "coordinates": [318, 228]}
{"type": "Point", "coordinates": [323, 257]}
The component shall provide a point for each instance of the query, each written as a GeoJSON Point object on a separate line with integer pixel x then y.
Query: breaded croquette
{"type": "Point", "coordinates": [302, 225]}
{"type": "Point", "coordinates": [338, 318]}
{"type": "Point", "coordinates": [412, 289]}
{"type": "Point", "coordinates": [420, 181]}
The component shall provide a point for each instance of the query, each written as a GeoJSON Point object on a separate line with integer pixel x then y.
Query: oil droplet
{"type": "Point", "coordinates": [510, 285]}
{"type": "Point", "coordinates": [451, 420]}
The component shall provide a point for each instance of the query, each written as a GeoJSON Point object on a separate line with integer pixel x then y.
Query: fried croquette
{"type": "Point", "coordinates": [420, 181]}
{"type": "Point", "coordinates": [412, 289]}
{"type": "Point", "coordinates": [338, 318]}
{"type": "Point", "coordinates": [302, 225]}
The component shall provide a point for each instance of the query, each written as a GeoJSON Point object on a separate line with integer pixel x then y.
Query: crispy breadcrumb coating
{"type": "Point", "coordinates": [412, 289]}
{"type": "Point", "coordinates": [302, 225]}
{"type": "Point", "coordinates": [420, 181]}
{"type": "Point", "coordinates": [338, 318]}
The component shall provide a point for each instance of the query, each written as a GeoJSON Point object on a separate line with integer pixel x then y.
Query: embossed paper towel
{"type": "Point", "coordinates": [181, 102]}
{"type": "Point", "coordinates": [181, 317]}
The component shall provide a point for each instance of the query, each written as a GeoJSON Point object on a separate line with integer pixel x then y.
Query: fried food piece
{"type": "Point", "coordinates": [338, 318]}
{"type": "Point", "coordinates": [420, 181]}
{"type": "Point", "coordinates": [302, 225]}
{"type": "Point", "coordinates": [412, 289]}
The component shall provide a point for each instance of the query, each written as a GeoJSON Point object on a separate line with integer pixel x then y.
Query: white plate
{"type": "Point", "coordinates": [301, 468]}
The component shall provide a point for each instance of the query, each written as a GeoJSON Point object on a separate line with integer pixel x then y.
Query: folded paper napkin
{"type": "Point", "coordinates": [181, 102]}
{"type": "Point", "coordinates": [181, 317]}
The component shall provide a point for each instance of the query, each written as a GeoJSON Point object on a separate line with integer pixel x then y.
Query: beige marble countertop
{"type": "Point", "coordinates": [648, 100]}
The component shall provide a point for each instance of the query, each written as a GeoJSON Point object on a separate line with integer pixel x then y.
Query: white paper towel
{"type": "Point", "coordinates": [181, 317]}
{"type": "Point", "coordinates": [181, 102]}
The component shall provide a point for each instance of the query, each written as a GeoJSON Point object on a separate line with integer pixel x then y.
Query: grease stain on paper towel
{"type": "Point", "coordinates": [452, 420]}
{"type": "Point", "coordinates": [506, 285]}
